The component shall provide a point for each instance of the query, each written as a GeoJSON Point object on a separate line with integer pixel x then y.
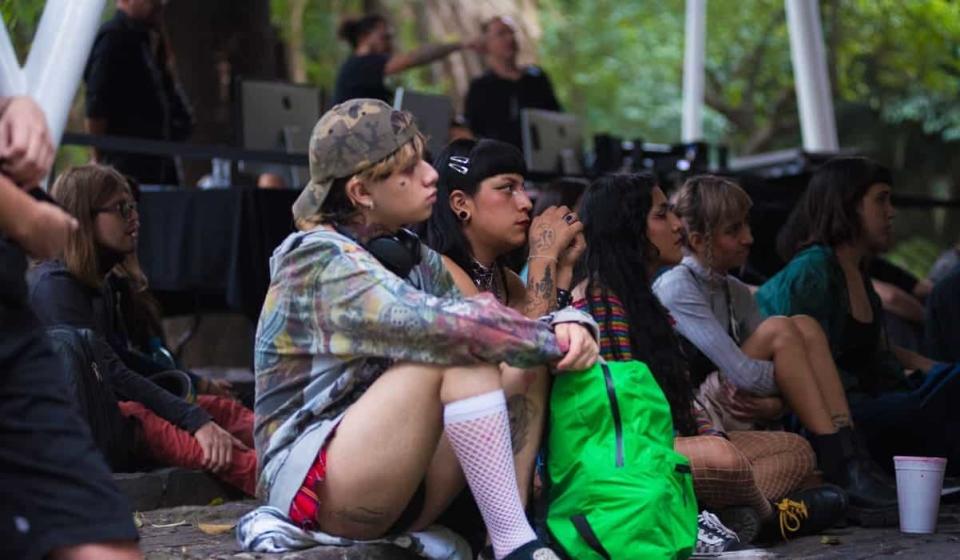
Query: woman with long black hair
{"type": "Point", "coordinates": [632, 233]}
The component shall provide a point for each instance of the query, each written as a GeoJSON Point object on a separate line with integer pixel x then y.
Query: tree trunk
{"type": "Point", "coordinates": [216, 41]}
{"type": "Point", "coordinates": [298, 59]}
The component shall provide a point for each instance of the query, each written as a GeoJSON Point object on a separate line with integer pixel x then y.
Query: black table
{"type": "Point", "coordinates": [209, 250]}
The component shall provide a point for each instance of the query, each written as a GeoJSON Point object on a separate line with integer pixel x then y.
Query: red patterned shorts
{"type": "Point", "coordinates": [303, 509]}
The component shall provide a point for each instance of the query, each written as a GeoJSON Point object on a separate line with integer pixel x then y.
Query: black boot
{"type": "Point", "coordinates": [805, 512]}
{"type": "Point", "coordinates": [844, 463]}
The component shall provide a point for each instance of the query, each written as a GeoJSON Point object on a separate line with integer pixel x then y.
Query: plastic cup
{"type": "Point", "coordinates": [919, 481]}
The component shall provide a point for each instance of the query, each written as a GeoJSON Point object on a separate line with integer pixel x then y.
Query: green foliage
{"type": "Point", "coordinates": [21, 17]}
{"type": "Point", "coordinates": [916, 255]}
{"type": "Point", "coordinates": [619, 65]}
{"type": "Point", "coordinates": [903, 59]}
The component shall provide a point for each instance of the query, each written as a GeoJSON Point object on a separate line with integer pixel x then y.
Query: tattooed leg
{"type": "Point", "coordinates": [526, 404]}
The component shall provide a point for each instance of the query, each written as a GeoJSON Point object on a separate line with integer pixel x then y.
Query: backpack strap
{"type": "Point", "coordinates": [586, 533]}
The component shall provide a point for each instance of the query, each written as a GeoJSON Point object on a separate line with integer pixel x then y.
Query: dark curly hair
{"type": "Point", "coordinates": [614, 212]}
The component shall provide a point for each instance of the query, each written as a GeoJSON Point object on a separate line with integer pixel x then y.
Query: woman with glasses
{"type": "Point", "coordinates": [214, 434]}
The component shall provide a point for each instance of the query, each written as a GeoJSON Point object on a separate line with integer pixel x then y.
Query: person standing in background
{"type": "Point", "coordinates": [132, 91]}
{"type": "Point", "coordinates": [371, 39]}
{"type": "Point", "coordinates": [495, 99]}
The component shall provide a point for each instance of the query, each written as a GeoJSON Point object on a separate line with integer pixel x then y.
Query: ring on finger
{"type": "Point", "coordinates": [570, 218]}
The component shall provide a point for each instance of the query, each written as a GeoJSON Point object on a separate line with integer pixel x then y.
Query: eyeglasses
{"type": "Point", "coordinates": [125, 208]}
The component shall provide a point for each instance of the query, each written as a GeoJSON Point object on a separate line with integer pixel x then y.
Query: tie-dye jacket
{"type": "Point", "coordinates": [334, 319]}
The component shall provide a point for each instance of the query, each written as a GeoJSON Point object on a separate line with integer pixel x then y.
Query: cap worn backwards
{"type": "Point", "coordinates": [347, 139]}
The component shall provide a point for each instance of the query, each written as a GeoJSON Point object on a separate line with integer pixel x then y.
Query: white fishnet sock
{"type": "Point", "coordinates": [479, 431]}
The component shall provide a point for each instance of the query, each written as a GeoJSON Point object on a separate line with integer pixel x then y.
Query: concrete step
{"type": "Point", "coordinates": [170, 487]}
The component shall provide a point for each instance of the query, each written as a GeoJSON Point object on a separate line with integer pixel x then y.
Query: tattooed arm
{"type": "Point", "coordinates": [425, 55]}
{"type": "Point", "coordinates": [553, 237]}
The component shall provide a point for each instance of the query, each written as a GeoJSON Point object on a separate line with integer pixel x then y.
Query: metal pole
{"type": "Point", "coordinates": [817, 121]}
{"type": "Point", "coordinates": [58, 56]}
{"type": "Point", "coordinates": [695, 42]}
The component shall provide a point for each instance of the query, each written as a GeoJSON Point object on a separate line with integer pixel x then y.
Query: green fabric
{"type": "Point", "coordinates": [644, 507]}
{"type": "Point", "coordinates": [813, 284]}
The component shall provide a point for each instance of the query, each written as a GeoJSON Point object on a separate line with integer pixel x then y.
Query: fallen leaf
{"type": "Point", "coordinates": [168, 525]}
{"type": "Point", "coordinates": [826, 539]}
{"type": "Point", "coordinates": [137, 519]}
{"type": "Point", "coordinates": [218, 501]}
{"type": "Point", "coordinates": [216, 528]}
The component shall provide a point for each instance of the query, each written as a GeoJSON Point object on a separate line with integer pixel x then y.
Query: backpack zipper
{"type": "Point", "coordinates": [615, 411]}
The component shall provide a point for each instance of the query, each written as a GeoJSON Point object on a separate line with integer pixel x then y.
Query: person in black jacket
{"type": "Point", "coordinates": [57, 498]}
{"type": "Point", "coordinates": [70, 291]}
{"type": "Point", "coordinates": [371, 39]}
{"type": "Point", "coordinates": [495, 99]}
{"type": "Point", "coordinates": [132, 91]}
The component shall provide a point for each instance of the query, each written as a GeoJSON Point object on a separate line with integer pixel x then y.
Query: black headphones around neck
{"type": "Point", "coordinates": [399, 252]}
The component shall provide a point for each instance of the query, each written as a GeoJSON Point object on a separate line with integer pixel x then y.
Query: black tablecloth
{"type": "Point", "coordinates": [210, 250]}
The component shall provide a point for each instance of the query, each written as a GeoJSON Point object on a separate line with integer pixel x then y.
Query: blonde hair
{"type": "Point", "coordinates": [337, 206]}
{"type": "Point", "coordinates": [81, 191]}
{"type": "Point", "coordinates": [707, 203]}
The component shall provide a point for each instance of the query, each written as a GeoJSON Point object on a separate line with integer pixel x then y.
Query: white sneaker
{"type": "Point", "coordinates": [716, 540]}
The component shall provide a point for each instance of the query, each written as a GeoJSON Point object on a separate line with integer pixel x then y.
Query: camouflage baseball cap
{"type": "Point", "coordinates": [347, 139]}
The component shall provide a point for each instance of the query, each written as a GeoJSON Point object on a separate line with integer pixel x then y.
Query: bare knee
{"type": "Point", "coordinates": [725, 457]}
{"type": "Point", "coordinates": [809, 328]}
{"type": "Point", "coordinates": [782, 332]}
{"type": "Point", "coordinates": [462, 382]}
{"type": "Point", "coordinates": [716, 455]}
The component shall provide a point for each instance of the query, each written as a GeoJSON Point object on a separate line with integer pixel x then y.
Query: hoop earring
{"type": "Point", "coordinates": [464, 216]}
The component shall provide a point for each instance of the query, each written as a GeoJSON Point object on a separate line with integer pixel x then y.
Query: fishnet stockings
{"type": "Point", "coordinates": [750, 469]}
{"type": "Point", "coordinates": [479, 432]}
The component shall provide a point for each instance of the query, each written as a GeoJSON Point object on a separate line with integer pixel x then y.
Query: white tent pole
{"type": "Point", "coordinates": [12, 80]}
{"type": "Point", "coordinates": [817, 121]}
{"type": "Point", "coordinates": [58, 56]}
{"type": "Point", "coordinates": [694, 53]}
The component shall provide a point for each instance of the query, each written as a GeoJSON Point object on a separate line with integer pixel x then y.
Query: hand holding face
{"type": "Point", "coordinates": [553, 232]}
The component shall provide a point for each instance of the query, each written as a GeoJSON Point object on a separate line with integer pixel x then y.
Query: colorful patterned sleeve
{"type": "Point", "coordinates": [371, 312]}
{"type": "Point", "coordinates": [435, 278]}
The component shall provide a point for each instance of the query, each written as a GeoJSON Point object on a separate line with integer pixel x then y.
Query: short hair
{"type": "Point", "coordinates": [827, 211]}
{"type": "Point", "coordinates": [706, 203]}
{"type": "Point", "coordinates": [81, 191]}
{"type": "Point", "coordinates": [507, 20]}
{"type": "Point", "coordinates": [338, 208]}
{"type": "Point", "coordinates": [355, 29]}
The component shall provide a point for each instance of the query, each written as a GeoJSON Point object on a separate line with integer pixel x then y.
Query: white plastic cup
{"type": "Point", "coordinates": [919, 481]}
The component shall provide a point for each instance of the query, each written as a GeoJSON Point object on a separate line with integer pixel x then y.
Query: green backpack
{"type": "Point", "coordinates": [616, 488]}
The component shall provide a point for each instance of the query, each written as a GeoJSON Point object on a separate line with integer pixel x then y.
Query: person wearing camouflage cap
{"type": "Point", "coordinates": [348, 140]}
{"type": "Point", "coordinates": [361, 370]}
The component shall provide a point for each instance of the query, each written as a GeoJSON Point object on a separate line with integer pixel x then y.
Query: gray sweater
{"type": "Point", "coordinates": [698, 303]}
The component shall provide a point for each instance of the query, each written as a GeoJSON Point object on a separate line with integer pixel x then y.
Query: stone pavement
{"type": "Point", "coordinates": [175, 533]}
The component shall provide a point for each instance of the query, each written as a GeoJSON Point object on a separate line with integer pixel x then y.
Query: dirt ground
{"type": "Point", "coordinates": [176, 533]}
